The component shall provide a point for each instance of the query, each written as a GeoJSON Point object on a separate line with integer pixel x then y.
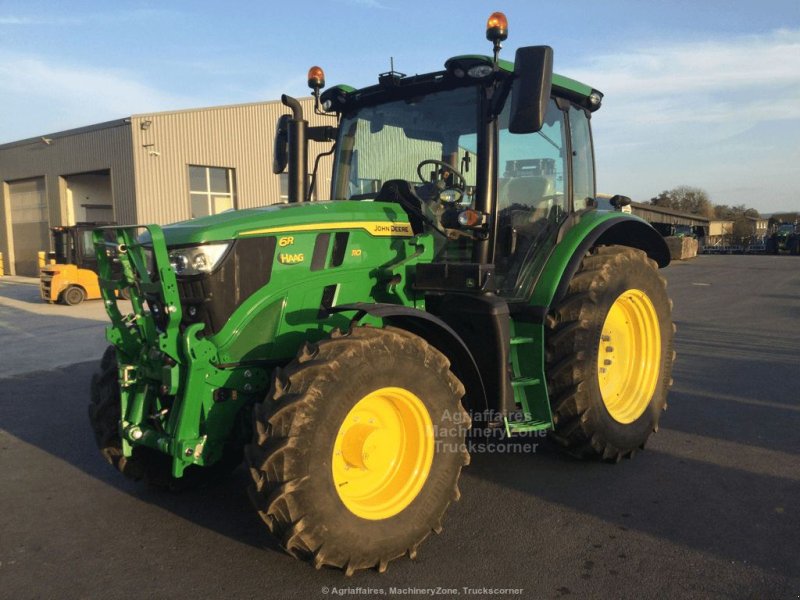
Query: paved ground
{"type": "Point", "coordinates": [712, 509]}
{"type": "Point", "coordinates": [36, 335]}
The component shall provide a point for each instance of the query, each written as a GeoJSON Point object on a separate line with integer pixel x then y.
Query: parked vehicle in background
{"type": "Point", "coordinates": [69, 275]}
{"type": "Point", "coordinates": [784, 240]}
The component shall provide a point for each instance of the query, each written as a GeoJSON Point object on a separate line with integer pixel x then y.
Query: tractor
{"type": "Point", "coordinates": [784, 240]}
{"type": "Point", "coordinates": [341, 348]}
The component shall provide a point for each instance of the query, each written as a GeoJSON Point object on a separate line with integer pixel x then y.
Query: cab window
{"type": "Point", "coordinates": [582, 158]}
{"type": "Point", "coordinates": [532, 197]}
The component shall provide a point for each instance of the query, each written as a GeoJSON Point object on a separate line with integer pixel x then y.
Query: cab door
{"type": "Point", "coordinates": [542, 178]}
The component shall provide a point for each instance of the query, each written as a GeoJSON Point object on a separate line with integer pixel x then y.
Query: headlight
{"type": "Point", "coordinates": [479, 71]}
{"type": "Point", "coordinates": [450, 195]}
{"type": "Point", "coordinates": [196, 260]}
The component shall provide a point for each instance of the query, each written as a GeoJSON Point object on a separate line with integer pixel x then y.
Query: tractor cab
{"type": "Point", "coordinates": [494, 159]}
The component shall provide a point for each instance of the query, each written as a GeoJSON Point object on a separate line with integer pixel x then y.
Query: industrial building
{"type": "Point", "coordinates": [150, 168]}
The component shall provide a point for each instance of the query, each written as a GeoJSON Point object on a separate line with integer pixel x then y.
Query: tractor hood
{"type": "Point", "coordinates": [378, 218]}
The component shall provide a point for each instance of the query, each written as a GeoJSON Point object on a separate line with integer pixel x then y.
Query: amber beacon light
{"type": "Point", "coordinates": [316, 78]}
{"type": "Point", "coordinates": [497, 27]}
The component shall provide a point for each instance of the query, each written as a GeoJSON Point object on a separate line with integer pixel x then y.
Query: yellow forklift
{"type": "Point", "coordinates": [70, 273]}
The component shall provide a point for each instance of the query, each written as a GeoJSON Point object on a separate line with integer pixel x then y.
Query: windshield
{"type": "Point", "coordinates": [389, 141]}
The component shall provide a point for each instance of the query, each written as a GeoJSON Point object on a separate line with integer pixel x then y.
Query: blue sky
{"type": "Point", "coordinates": [703, 93]}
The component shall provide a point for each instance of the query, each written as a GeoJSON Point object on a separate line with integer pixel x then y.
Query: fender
{"type": "Point", "coordinates": [437, 333]}
{"type": "Point", "coordinates": [592, 230]}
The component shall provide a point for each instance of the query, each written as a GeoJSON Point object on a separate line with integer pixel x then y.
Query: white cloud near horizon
{"type": "Point", "coordinates": [703, 81]}
{"type": "Point", "coordinates": [700, 113]}
{"type": "Point", "coordinates": [65, 96]}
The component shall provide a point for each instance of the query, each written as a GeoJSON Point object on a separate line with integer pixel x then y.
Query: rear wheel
{"type": "Point", "coordinates": [609, 354]}
{"type": "Point", "coordinates": [145, 463]}
{"type": "Point", "coordinates": [358, 448]}
{"type": "Point", "coordinates": [73, 295]}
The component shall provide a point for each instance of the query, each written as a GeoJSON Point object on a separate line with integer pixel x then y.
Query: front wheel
{"type": "Point", "coordinates": [609, 354]}
{"type": "Point", "coordinates": [145, 463]}
{"type": "Point", "coordinates": [73, 295]}
{"type": "Point", "coordinates": [358, 448]}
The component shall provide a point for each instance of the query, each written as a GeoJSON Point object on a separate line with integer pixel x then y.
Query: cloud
{"type": "Point", "coordinates": [66, 96]}
{"type": "Point", "coordinates": [716, 113]}
{"type": "Point", "coordinates": [15, 20]}
{"type": "Point", "coordinates": [366, 3]}
{"type": "Point", "coordinates": [736, 80]}
{"type": "Point", "coordinates": [94, 19]}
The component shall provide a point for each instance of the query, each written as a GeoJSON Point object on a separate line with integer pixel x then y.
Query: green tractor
{"type": "Point", "coordinates": [462, 272]}
{"type": "Point", "coordinates": [784, 240]}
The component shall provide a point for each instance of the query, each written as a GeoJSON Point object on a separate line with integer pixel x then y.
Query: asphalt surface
{"type": "Point", "coordinates": [710, 510]}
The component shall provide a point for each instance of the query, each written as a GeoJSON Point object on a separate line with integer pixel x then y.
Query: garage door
{"type": "Point", "coordinates": [29, 224]}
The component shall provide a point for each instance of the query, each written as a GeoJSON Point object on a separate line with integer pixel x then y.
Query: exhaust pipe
{"type": "Point", "coordinates": [298, 150]}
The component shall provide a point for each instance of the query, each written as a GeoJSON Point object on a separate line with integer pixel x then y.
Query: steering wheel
{"type": "Point", "coordinates": [444, 165]}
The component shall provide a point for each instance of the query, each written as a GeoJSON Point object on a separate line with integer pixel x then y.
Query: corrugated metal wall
{"type": "Point", "coordinates": [100, 147]}
{"type": "Point", "coordinates": [238, 137]}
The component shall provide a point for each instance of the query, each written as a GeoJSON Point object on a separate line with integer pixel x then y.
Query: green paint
{"type": "Point", "coordinates": [198, 382]}
{"type": "Point", "coordinates": [547, 283]}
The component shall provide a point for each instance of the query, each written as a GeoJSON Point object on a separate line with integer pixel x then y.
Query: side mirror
{"type": "Point", "coordinates": [530, 94]}
{"type": "Point", "coordinates": [280, 149]}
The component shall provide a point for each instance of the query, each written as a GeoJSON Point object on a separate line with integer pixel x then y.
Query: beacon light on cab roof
{"type": "Point", "coordinates": [497, 27]}
{"type": "Point", "coordinates": [316, 78]}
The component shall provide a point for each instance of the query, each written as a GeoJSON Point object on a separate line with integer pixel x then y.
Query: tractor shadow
{"type": "Point", "coordinates": [677, 491]}
{"type": "Point", "coordinates": [58, 424]}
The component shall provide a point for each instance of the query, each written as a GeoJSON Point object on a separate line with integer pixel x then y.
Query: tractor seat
{"type": "Point", "coordinates": [528, 199]}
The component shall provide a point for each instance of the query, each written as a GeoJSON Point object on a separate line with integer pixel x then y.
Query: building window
{"type": "Point", "coordinates": [284, 187]}
{"type": "Point", "coordinates": [212, 190]}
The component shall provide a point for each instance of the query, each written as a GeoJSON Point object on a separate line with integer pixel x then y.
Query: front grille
{"type": "Point", "coordinates": [211, 299]}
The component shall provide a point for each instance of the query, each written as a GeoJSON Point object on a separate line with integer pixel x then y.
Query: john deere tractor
{"type": "Point", "coordinates": [341, 347]}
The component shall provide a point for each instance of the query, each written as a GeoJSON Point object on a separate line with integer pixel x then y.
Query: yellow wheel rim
{"type": "Point", "coordinates": [629, 357]}
{"type": "Point", "coordinates": [383, 453]}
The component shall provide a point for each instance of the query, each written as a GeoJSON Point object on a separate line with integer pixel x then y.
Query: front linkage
{"type": "Point", "coordinates": [170, 379]}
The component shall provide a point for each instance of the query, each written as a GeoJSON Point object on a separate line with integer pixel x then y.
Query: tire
{"type": "Point", "coordinates": [294, 459]}
{"type": "Point", "coordinates": [145, 464]}
{"type": "Point", "coordinates": [73, 295]}
{"type": "Point", "coordinates": [603, 406]}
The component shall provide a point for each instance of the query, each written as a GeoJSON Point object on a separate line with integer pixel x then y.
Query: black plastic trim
{"type": "Point", "coordinates": [437, 333]}
{"type": "Point", "coordinates": [320, 251]}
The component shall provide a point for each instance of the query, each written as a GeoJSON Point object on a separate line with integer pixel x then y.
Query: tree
{"type": "Point", "coordinates": [686, 199]}
{"type": "Point", "coordinates": [724, 212]}
{"type": "Point", "coordinates": [742, 230]}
